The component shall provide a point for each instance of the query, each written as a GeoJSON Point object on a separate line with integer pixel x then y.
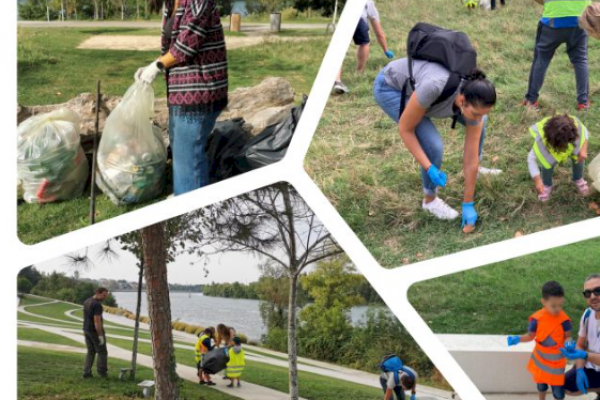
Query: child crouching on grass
{"type": "Point", "coordinates": [236, 364]}
{"type": "Point", "coordinates": [203, 346]}
{"type": "Point", "coordinates": [551, 329]}
{"type": "Point", "coordinates": [557, 139]}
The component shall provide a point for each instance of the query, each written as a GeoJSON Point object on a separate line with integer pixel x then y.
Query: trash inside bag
{"type": "Point", "coordinates": [225, 142]}
{"type": "Point", "coordinates": [132, 155]}
{"type": "Point", "coordinates": [215, 361]}
{"type": "Point", "coordinates": [270, 145]}
{"type": "Point", "coordinates": [594, 171]}
{"type": "Point", "coordinates": [51, 164]}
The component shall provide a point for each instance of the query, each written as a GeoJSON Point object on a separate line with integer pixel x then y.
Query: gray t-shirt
{"type": "Point", "coordinates": [370, 12]}
{"type": "Point", "coordinates": [391, 380]}
{"type": "Point", "coordinates": [431, 78]}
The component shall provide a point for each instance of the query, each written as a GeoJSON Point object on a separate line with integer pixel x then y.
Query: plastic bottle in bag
{"type": "Point", "coordinates": [51, 164]}
{"type": "Point", "coordinates": [132, 155]}
{"type": "Point", "coordinates": [594, 171]}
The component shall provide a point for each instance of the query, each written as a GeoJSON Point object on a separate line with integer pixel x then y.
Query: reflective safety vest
{"type": "Point", "coordinates": [236, 364]}
{"type": "Point", "coordinates": [547, 364]}
{"type": "Point", "coordinates": [549, 157]}
{"type": "Point", "coordinates": [200, 348]}
{"type": "Point", "coordinates": [564, 8]}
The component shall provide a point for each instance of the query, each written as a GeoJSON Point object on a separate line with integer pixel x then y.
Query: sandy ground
{"type": "Point", "coordinates": [152, 43]}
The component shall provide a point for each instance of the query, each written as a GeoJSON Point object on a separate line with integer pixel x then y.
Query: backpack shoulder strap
{"type": "Point", "coordinates": [397, 377]}
{"type": "Point", "coordinates": [449, 89]}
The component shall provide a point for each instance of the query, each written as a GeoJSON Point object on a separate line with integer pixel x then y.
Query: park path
{"type": "Point", "coordinates": [248, 391]}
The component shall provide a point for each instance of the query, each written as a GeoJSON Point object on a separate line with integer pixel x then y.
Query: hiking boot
{"type": "Point", "coordinates": [582, 187]}
{"type": "Point", "coordinates": [532, 106]}
{"type": "Point", "coordinates": [340, 88]}
{"type": "Point", "coordinates": [87, 376]}
{"type": "Point", "coordinates": [545, 195]}
{"type": "Point", "coordinates": [440, 209]}
{"type": "Point", "coordinates": [489, 171]}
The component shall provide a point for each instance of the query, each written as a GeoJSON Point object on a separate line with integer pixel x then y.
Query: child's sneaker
{"type": "Point", "coordinates": [230, 385]}
{"type": "Point", "coordinates": [239, 384]}
{"type": "Point", "coordinates": [440, 209]}
{"type": "Point", "coordinates": [583, 106]}
{"type": "Point", "coordinates": [545, 195]}
{"type": "Point", "coordinates": [340, 88]}
{"type": "Point", "coordinates": [211, 383]}
{"type": "Point", "coordinates": [533, 106]}
{"type": "Point", "coordinates": [582, 187]}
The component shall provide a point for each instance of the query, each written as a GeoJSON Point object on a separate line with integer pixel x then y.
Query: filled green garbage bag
{"type": "Point", "coordinates": [594, 171]}
{"type": "Point", "coordinates": [51, 164]}
{"type": "Point", "coordinates": [132, 155]}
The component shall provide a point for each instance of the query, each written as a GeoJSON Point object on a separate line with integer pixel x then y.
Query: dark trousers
{"type": "Point", "coordinates": [398, 391]}
{"type": "Point", "coordinates": [546, 42]}
{"type": "Point", "coordinates": [94, 347]}
{"type": "Point", "coordinates": [494, 4]}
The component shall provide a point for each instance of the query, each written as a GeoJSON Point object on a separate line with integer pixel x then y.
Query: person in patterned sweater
{"type": "Point", "coordinates": [194, 62]}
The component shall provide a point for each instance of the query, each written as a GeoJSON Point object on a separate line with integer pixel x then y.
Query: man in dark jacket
{"type": "Point", "coordinates": [93, 330]}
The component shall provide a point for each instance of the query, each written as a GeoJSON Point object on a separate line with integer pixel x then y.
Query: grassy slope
{"type": "Point", "coordinates": [359, 161]}
{"type": "Point", "coordinates": [499, 298]}
{"type": "Point", "coordinates": [51, 70]}
{"type": "Point", "coordinates": [37, 335]}
{"type": "Point", "coordinates": [61, 379]}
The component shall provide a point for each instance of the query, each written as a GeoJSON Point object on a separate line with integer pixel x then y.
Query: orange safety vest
{"type": "Point", "coordinates": [547, 364]}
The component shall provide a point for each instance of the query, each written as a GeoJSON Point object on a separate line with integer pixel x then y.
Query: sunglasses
{"type": "Point", "coordinates": [588, 293]}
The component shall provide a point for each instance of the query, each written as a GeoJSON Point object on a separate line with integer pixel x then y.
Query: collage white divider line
{"type": "Point", "coordinates": [392, 286]}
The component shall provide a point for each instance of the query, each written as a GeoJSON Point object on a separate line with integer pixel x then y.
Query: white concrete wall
{"type": "Point", "coordinates": [491, 364]}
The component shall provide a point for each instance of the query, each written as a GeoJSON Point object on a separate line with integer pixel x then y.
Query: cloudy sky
{"type": "Point", "coordinates": [231, 267]}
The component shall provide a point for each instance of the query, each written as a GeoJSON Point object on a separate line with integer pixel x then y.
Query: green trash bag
{"type": "Point", "coordinates": [132, 155]}
{"type": "Point", "coordinates": [594, 171]}
{"type": "Point", "coordinates": [51, 164]}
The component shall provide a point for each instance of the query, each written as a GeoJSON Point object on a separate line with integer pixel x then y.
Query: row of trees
{"type": "Point", "coordinates": [139, 9]}
{"type": "Point", "coordinates": [57, 286]}
{"type": "Point", "coordinates": [235, 290]}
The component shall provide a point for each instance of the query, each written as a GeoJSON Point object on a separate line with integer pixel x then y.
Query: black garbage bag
{"type": "Point", "coordinates": [271, 144]}
{"type": "Point", "coordinates": [215, 361]}
{"type": "Point", "coordinates": [226, 141]}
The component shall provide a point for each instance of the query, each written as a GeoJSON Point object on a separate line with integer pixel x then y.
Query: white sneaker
{"type": "Point", "coordinates": [440, 209]}
{"type": "Point", "coordinates": [340, 88]}
{"type": "Point", "coordinates": [489, 171]}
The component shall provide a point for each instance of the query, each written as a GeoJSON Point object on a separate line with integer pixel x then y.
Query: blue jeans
{"type": "Point", "coordinates": [188, 133]}
{"type": "Point", "coordinates": [546, 42]}
{"type": "Point", "coordinates": [558, 392]}
{"type": "Point", "coordinates": [577, 172]}
{"type": "Point", "coordinates": [428, 136]}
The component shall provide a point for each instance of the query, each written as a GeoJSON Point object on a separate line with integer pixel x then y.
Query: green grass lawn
{"type": "Point", "coordinates": [37, 335]}
{"type": "Point", "coordinates": [499, 298]}
{"type": "Point", "coordinates": [30, 300]}
{"type": "Point", "coordinates": [48, 375]}
{"type": "Point", "coordinates": [52, 70]}
{"type": "Point", "coordinates": [362, 166]}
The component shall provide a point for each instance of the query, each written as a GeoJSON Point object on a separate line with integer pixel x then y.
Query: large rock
{"type": "Point", "coordinates": [265, 104]}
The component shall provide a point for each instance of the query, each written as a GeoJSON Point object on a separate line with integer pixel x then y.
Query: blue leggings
{"type": "Point", "coordinates": [428, 136]}
{"type": "Point", "coordinates": [557, 391]}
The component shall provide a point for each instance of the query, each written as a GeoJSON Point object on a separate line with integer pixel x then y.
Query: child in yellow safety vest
{"type": "Point", "coordinates": [203, 346]}
{"type": "Point", "coordinates": [556, 140]}
{"type": "Point", "coordinates": [236, 364]}
{"type": "Point", "coordinates": [551, 329]}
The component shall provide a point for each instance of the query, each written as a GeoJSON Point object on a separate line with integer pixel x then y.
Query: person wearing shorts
{"type": "Point", "coordinates": [363, 43]}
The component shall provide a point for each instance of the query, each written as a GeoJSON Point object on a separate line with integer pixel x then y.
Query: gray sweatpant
{"type": "Point", "coordinates": [546, 42]}
{"type": "Point", "coordinates": [94, 347]}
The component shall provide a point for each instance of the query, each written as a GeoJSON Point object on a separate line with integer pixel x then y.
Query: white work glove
{"type": "Point", "coordinates": [102, 340]}
{"type": "Point", "coordinates": [147, 74]}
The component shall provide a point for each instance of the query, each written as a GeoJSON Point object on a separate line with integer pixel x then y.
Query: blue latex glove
{"type": "Point", "coordinates": [513, 340]}
{"type": "Point", "coordinates": [469, 215]}
{"type": "Point", "coordinates": [570, 346]}
{"type": "Point", "coordinates": [582, 381]}
{"type": "Point", "coordinates": [413, 397]}
{"type": "Point", "coordinates": [438, 177]}
{"type": "Point", "coordinates": [389, 54]}
{"type": "Point", "coordinates": [574, 354]}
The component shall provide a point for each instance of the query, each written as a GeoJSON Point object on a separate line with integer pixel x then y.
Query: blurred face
{"type": "Point", "coordinates": [589, 288]}
{"type": "Point", "coordinates": [101, 296]}
{"type": "Point", "coordinates": [553, 305]}
{"type": "Point", "coordinates": [471, 112]}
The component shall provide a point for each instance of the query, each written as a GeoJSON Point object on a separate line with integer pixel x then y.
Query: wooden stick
{"type": "Point", "coordinates": [94, 156]}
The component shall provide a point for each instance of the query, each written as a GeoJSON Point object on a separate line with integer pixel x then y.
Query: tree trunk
{"type": "Point", "coordinates": [137, 8]}
{"type": "Point", "coordinates": [154, 250]}
{"type": "Point", "coordinates": [136, 331]}
{"type": "Point", "coordinates": [96, 14]}
{"type": "Point", "coordinates": [122, 10]}
{"type": "Point", "coordinates": [292, 343]}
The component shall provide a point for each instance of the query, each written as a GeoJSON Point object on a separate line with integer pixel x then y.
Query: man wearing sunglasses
{"type": "Point", "coordinates": [585, 376]}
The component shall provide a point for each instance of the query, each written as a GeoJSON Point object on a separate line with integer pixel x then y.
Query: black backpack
{"type": "Point", "coordinates": [452, 49]}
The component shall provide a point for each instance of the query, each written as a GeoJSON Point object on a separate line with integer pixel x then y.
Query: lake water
{"type": "Point", "coordinates": [197, 309]}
